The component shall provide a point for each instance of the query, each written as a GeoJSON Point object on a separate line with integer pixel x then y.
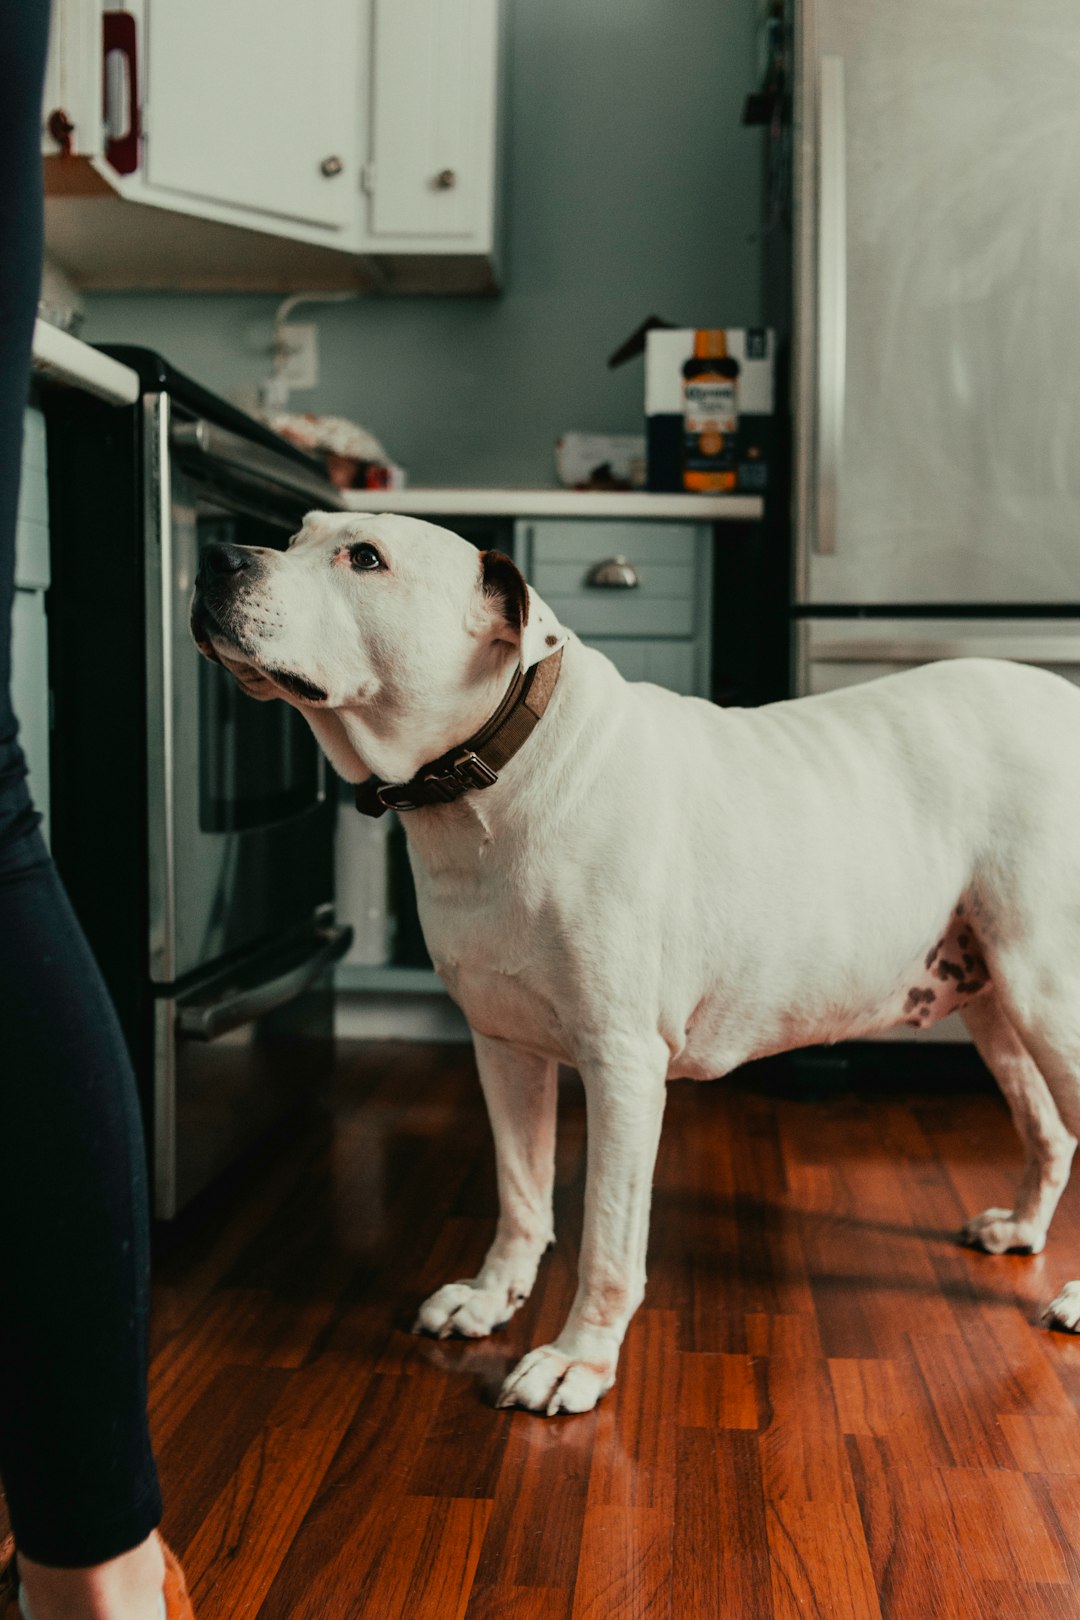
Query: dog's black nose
{"type": "Point", "coordinates": [219, 558]}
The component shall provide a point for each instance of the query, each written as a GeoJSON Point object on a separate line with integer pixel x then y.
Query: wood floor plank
{"type": "Point", "coordinates": [241, 1543]}
{"type": "Point", "coordinates": [533, 1538]}
{"type": "Point", "coordinates": [963, 1401]}
{"type": "Point", "coordinates": [890, 1400]}
{"type": "Point", "coordinates": [803, 1455]}
{"type": "Point", "coordinates": [819, 1562]}
{"type": "Point", "coordinates": [517, 1603]}
{"type": "Point", "coordinates": [624, 1565]}
{"type": "Point", "coordinates": [638, 1470]}
{"type": "Point", "coordinates": [1000, 1528]}
{"type": "Point", "coordinates": [718, 1392]}
{"type": "Point", "coordinates": [720, 1557]}
{"type": "Point", "coordinates": [914, 1554]}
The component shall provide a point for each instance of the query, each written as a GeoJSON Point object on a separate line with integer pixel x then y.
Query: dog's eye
{"type": "Point", "coordinates": [364, 557]}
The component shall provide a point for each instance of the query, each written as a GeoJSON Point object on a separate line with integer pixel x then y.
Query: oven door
{"type": "Point", "coordinates": [240, 820]}
{"type": "Point", "coordinates": [235, 1053]}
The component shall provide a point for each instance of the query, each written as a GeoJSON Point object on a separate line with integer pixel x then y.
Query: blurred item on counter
{"type": "Point", "coordinates": [709, 409]}
{"type": "Point", "coordinates": [600, 460]}
{"type": "Point", "coordinates": [354, 457]}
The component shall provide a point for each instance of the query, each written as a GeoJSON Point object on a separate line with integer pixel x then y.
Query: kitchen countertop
{"type": "Point", "coordinates": [66, 359]}
{"type": "Point", "coordinates": [554, 502]}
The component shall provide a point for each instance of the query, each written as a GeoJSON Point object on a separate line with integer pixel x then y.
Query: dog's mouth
{"type": "Point", "coordinates": [207, 631]}
{"type": "Point", "coordinates": [223, 645]}
{"type": "Point", "coordinates": [297, 686]}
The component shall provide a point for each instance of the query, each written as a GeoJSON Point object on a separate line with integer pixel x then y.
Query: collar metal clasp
{"type": "Point", "coordinates": [466, 770]}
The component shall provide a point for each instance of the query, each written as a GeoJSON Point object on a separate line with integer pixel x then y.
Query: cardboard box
{"type": "Point", "coordinates": [666, 352]}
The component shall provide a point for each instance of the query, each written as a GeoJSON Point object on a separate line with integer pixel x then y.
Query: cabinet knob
{"type": "Point", "coordinates": [614, 574]}
{"type": "Point", "coordinates": [331, 166]}
{"type": "Point", "coordinates": [445, 180]}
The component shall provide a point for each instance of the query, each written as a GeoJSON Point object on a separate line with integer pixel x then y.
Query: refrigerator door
{"type": "Point", "coordinates": [937, 347]}
{"type": "Point", "coordinates": [842, 652]}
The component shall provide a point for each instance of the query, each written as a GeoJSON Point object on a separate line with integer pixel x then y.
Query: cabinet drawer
{"type": "Point", "coordinates": [665, 557]}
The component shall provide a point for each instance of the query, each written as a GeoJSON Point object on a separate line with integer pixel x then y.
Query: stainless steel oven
{"type": "Point", "coordinates": [209, 874]}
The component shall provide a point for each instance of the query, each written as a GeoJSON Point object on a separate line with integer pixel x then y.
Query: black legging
{"type": "Point", "coordinates": [75, 1455]}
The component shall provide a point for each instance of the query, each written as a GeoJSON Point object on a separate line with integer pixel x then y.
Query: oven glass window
{"type": "Point", "coordinates": [259, 762]}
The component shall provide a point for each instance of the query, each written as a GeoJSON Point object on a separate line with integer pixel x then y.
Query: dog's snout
{"type": "Point", "coordinates": [220, 559]}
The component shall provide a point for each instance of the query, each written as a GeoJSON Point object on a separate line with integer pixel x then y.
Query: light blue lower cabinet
{"type": "Point", "coordinates": [655, 623]}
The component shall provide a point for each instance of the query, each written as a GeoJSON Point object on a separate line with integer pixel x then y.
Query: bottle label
{"type": "Point", "coordinates": [709, 406]}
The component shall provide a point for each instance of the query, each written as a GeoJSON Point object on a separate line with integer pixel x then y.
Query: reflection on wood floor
{"type": "Point", "coordinates": [825, 1408]}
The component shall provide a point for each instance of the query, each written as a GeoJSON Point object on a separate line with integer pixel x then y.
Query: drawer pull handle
{"type": "Point", "coordinates": [615, 574]}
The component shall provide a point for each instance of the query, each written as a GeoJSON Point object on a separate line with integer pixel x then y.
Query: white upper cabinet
{"type": "Point", "coordinates": [274, 144]}
{"type": "Point", "coordinates": [255, 106]}
{"type": "Point", "coordinates": [433, 116]}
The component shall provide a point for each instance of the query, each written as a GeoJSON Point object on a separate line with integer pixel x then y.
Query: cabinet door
{"type": "Point", "coordinates": [255, 106]}
{"type": "Point", "coordinates": [73, 76]}
{"type": "Point", "coordinates": [433, 119]}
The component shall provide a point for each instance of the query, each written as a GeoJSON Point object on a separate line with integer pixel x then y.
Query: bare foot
{"type": "Point", "coordinates": [125, 1588]}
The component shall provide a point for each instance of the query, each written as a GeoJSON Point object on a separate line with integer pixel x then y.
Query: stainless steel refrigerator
{"type": "Point", "coordinates": [935, 183]}
{"type": "Point", "coordinates": [936, 334]}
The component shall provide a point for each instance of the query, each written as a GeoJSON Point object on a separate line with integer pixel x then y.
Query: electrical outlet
{"type": "Point", "coordinates": [298, 343]}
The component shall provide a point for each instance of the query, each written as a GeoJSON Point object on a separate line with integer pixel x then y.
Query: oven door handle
{"type": "Point", "coordinates": [206, 1020]}
{"type": "Point", "coordinates": [204, 441]}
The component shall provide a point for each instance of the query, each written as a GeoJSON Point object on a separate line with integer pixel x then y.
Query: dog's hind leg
{"type": "Point", "coordinates": [1048, 1146]}
{"type": "Point", "coordinates": [520, 1090]}
{"type": "Point", "coordinates": [1042, 1002]}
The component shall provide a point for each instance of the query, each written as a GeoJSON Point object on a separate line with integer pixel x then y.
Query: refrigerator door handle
{"type": "Point", "coordinates": [1036, 649]}
{"type": "Point", "coordinates": [831, 298]}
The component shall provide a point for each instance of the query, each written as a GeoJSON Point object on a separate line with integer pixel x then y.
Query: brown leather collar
{"type": "Point", "coordinates": [476, 763]}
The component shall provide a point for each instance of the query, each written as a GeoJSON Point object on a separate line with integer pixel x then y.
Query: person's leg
{"type": "Point", "coordinates": [75, 1456]}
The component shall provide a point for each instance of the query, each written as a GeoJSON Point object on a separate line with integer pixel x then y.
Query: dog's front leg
{"type": "Point", "coordinates": [625, 1105]}
{"type": "Point", "coordinates": [521, 1094]}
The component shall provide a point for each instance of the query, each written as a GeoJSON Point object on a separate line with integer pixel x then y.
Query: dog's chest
{"type": "Point", "coordinates": [500, 1005]}
{"type": "Point", "coordinates": [483, 941]}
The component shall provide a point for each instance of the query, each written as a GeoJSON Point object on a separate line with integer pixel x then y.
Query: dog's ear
{"type": "Point", "coordinates": [504, 586]}
{"type": "Point", "coordinates": [522, 618]}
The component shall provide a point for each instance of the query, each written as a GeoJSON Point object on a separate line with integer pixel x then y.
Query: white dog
{"type": "Point", "coordinates": [648, 887]}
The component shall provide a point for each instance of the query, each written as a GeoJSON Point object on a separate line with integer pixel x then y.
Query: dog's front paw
{"type": "Point", "coordinates": [464, 1310]}
{"type": "Point", "coordinates": [548, 1381]}
{"type": "Point", "coordinates": [1064, 1311]}
{"type": "Point", "coordinates": [998, 1232]}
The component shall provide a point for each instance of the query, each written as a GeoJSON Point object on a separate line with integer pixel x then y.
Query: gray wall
{"type": "Point", "coordinates": [632, 189]}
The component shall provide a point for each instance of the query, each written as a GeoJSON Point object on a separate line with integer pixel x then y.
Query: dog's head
{"type": "Point", "coordinates": [394, 637]}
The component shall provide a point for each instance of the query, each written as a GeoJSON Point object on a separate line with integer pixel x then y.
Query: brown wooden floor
{"type": "Point", "coordinates": [826, 1408]}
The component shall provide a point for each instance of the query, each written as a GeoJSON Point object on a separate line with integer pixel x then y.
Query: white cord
{"type": "Point", "coordinates": [274, 392]}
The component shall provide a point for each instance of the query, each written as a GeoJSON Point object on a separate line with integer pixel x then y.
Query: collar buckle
{"type": "Point", "coordinates": [466, 770]}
